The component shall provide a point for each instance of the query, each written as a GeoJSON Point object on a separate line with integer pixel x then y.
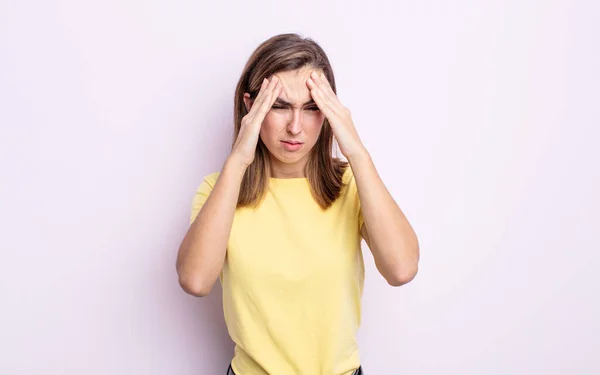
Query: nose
{"type": "Point", "coordinates": [294, 126]}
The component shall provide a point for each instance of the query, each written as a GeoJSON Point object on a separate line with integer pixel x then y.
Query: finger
{"type": "Point", "coordinates": [261, 92]}
{"type": "Point", "coordinates": [321, 96]}
{"type": "Point", "coordinates": [262, 96]}
{"type": "Point", "coordinates": [249, 111]}
{"type": "Point", "coordinates": [273, 94]}
{"type": "Point", "coordinates": [331, 96]}
{"type": "Point", "coordinates": [267, 99]}
{"type": "Point", "coordinates": [321, 80]}
{"type": "Point", "coordinates": [323, 101]}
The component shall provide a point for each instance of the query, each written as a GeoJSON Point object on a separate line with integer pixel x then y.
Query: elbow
{"type": "Point", "coordinates": [194, 286]}
{"type": "Point", "coordinates": [191, 282]}
{"type": "Point", "coordinates": [403, 276]}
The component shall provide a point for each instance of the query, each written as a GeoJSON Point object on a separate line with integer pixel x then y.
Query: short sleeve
{"type": "Point", "coordinates": [353, 191]}
{"type": "Point", "coordinates": [361, 221]}
{"type": "Point", "coordinates": [202, 194]}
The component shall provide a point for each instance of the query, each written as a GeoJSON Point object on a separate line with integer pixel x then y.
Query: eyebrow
{"type": "Point", "coordinates": [283, 102]}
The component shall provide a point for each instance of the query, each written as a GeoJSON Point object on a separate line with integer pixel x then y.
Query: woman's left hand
{"type": "Point", "coordinates": [339, 116]}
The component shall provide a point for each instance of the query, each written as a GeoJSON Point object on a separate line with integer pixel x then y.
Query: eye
{"type": "Point", "coordinates": [313, 109]}
{"type": "Point", "coordinates": [277, 107]}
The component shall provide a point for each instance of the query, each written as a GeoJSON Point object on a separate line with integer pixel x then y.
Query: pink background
{"type": "Point", "coordinates": [482, 119]}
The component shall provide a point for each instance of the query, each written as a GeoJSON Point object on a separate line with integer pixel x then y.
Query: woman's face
{"type": "Point", "coordinates": [293, 124]}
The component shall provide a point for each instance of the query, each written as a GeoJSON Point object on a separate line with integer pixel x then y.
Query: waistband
{"type": "Point", "coordinates": [358, 371]}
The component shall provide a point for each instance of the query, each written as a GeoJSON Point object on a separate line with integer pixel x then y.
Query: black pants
{"type": "Point", "coordinates": [358, 371]}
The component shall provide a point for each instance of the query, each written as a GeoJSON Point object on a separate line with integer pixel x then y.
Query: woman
{"type": "Point", "coordinates": [281, 224]}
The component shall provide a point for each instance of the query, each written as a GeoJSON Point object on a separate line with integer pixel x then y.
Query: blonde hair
{"type": "Point", "coordinates": [324, 172]}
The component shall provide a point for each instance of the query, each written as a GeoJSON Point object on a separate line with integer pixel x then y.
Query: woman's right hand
{"type": "Point", "coordinates": [244, 148]}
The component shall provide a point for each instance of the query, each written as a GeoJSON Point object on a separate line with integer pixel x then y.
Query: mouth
{"type": "Point", "coordinates": [291, 145]}
{"type": "Point", "coordinates": [292, 142]}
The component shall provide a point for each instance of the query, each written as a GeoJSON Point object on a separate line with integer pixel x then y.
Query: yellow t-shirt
{"type": "Point", "coordinates": [293, 280]}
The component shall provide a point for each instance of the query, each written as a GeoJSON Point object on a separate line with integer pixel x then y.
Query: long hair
{"type": "Point", "coordinates": [282, 53]}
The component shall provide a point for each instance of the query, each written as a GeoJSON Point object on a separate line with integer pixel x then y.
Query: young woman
{"type": "Point", "coordinates": [281, 224]}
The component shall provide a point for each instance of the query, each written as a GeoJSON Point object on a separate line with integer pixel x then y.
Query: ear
{"type": "Point", "coordinates": [247, 101]}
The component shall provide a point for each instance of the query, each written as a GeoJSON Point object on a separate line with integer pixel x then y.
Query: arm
{"type": "Point", "coordinates": [386, 230]}
{"type": "Point", "coordinates": [389, 235]}
{"type": "Point", "coordinates": [202, 252]}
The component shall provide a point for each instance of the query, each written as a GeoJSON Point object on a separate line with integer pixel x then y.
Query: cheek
{"type": "Point", "coordinates": [269, 129]}
{"type": "Point", "coordinates": [268, 123]}
{"type": "Point", "coordinates": [313, 124]}
{"type": "Point", "coordinates": [274, 121]}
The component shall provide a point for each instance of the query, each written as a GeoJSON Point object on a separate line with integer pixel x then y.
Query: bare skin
{"type": "Point", "coordinates": [388, 233]}
{"type": "Point", "coordinates": [202, 252]}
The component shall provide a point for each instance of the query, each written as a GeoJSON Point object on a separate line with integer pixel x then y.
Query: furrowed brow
{"type": "Point", "coordinates": [286, 103]}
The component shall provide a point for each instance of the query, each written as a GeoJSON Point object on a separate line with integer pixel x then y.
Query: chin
{"type": "Point", "coordinates": [288, 159]}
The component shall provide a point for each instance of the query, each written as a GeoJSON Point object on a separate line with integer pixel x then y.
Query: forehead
{"type": "Point", "coordinates": [294, 85]}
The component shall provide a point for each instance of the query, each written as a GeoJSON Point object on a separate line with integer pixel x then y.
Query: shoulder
{"type": "Point", "coordinates": [202, 193]}
{"type": "Point", "coordinates": [207, 183]}
{"type": "Point", "coordinates": [348, 176]}
{"type": "Point", "coordinates": [211, 179]}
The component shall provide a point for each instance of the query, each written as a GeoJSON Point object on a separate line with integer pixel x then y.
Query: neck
{"type": "Point", "coordinates": [287, 170]}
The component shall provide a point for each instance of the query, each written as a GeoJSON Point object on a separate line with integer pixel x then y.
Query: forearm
{"type": "Point", "coordinates": [202, 252]}
{"type": "Point", "coordinates": [393, 241]}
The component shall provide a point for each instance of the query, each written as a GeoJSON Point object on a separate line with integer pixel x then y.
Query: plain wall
{"type": "Point", "coordinates": [482, 119]}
